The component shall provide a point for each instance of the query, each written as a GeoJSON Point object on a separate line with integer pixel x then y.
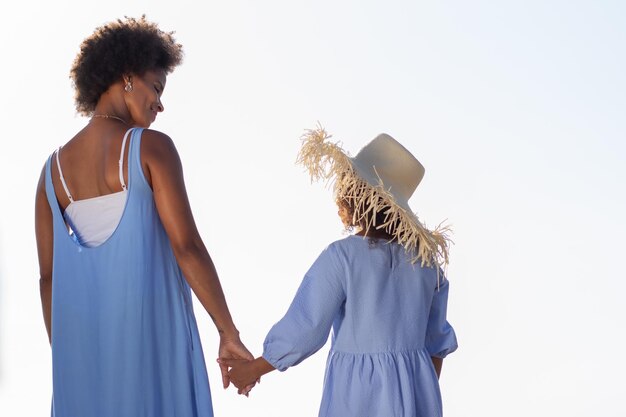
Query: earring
{"type": "Point", "coordinates": [128, 87]}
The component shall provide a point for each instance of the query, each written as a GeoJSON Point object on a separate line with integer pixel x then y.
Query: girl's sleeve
{"type": "Point", "coordinates": [305, 327]}
{"type": "Point", "coordinates": [440, 336]}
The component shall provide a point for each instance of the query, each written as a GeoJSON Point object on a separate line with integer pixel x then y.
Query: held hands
{"type": "Point", "coordinates": [231, 348]}
{"type": "Point", "coordinates": [244, 374]}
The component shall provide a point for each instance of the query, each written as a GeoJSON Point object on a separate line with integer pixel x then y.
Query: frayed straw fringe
{"type": "Point", "coordinates": [327, 161]}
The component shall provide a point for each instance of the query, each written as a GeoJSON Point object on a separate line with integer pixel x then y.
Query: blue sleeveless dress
{"type": "Point", "coordinates": [124, 337]}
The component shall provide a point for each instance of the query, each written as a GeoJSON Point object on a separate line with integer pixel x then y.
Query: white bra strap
{"type": "Point", "coordinates": [62, 178]}
{"type": "Point", "coordinates": [121, 163]}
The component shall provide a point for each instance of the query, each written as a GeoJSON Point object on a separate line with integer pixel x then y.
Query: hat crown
{"type": "Point", "coordinates": [384, 161]}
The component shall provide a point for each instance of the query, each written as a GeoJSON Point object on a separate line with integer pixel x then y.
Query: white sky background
{"type": "Point", "coordinates": [515, 108]}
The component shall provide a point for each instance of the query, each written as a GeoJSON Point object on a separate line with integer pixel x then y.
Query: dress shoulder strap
{"type": "Point", "coordinates": [121, 162]}
{"type": "Point", "coordinates": [135, 154]}
{"type": "Point", "coordinates": [67, 191]}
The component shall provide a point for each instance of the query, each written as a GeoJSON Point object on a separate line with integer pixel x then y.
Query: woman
{"type": "Point", "coordinates": [118, 247]}
{"type": "Point", "coordinates": [381, 290]}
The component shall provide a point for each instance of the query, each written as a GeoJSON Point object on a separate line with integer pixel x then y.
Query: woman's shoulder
{"type": "Point", "coordinates": [155, 139]}
{"type": "Point", "coordinates": [159, 156]}
{"type": "Point", "coordinates": [157, 146]}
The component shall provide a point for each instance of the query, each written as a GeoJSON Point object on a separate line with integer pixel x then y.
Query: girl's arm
{"type": "Point", "coordinates": [437, 363]}
{"type": "Point", "coordinates": [163, 171]}
{"type": "Point", "coordinates": [440, 336]}
{"type": "Point", "coordinates": [305, 327]}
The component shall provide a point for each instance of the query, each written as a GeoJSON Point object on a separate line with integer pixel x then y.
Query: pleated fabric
{"type": "Point", "coordinates": [388, 317]}
{"type": "Point", "coordinates": [124, 337]}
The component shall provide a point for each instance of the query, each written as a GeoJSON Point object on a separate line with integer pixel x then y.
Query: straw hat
{"type": "Point", "coordinates": [382, 176]}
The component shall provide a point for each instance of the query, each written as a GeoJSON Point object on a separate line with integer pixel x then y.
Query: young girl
{"type": "Point", "coordinates": [381, 290]}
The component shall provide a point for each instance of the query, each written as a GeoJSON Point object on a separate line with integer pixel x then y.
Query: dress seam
{"type": "Point", "coordinates": [422, 349]}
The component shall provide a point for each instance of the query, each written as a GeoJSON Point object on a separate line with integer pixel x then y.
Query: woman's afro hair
{"type": "Point", "coordinates": [118, 48]}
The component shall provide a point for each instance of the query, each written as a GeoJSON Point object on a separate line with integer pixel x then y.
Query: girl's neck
{"type": "Point", "coordinates": [373, 233]}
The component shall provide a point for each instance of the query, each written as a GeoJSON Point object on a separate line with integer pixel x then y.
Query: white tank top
{"type": "Point", "coordinates": [93, 220]}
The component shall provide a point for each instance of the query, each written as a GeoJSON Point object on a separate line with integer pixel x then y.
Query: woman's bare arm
{"type": "Point", "coordinates": [164, 172]}
{"type": "Point", "coordinates": [44, 236]}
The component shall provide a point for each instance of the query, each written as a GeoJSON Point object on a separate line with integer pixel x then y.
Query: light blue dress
{"type": "Point", "coordinates": [124, 337]}
{"type": "Point", "coordinates": [388, 318]}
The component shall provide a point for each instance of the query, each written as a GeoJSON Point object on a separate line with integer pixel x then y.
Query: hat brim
{"type": "Point", "coordinates": [328, 161]}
